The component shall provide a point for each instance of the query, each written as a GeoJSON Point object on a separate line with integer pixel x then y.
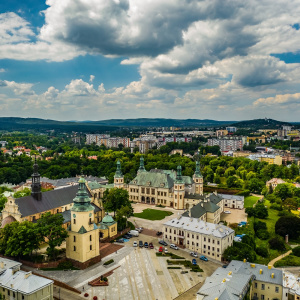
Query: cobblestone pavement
{"type": "Point", "coordinates": [143, 275]}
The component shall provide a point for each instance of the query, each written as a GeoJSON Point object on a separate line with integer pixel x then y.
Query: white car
{"type": "Point", "coordinates": [194, 254]}
{"type": "Point", "coordinates": [135, 244]}
{"type": "Point", "coordinates": [166, 250]}
{"type": "Point", "coordinates": [227, 212]}
{"type": "Point", "coordinates": [174, 247]}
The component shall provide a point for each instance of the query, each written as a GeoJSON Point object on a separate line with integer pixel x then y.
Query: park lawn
{"type": "Point", "coordinates": [153, 214]}
{"type": "Point", "coordinates": [250, 201]}
{"type": "Point", "coordinates": [289, 260]}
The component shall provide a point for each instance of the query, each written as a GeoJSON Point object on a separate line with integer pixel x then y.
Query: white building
{"type": "Point", "coordinates": [228, 144]}
{"type": "Point", "coordinates": [205, 238]}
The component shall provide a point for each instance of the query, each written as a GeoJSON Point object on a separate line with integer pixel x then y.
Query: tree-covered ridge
{"type": "Point", "coordinates": [261, 123]}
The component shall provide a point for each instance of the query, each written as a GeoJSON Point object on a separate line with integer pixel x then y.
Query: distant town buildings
{"type": "Point", "coordinates": [107, 141]}
{"type": "Point", "coordinates": [228, 143]}
{"type": "Point", "coordinates": [231, 129]}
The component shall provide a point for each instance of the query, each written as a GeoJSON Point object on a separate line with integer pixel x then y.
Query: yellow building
{"type": "Point", "coordinates": [259, 139]}
{"type": "Point", "coordinates": [271, 159]}
{"type": "Point", "coordinates": [82, 244]}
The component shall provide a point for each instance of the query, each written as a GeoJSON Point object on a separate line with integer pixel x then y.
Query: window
{"type": "Point", "coordinates": [170, 230]}
{"type": "Point", "coordinates": [166, 229]}
{"type": "Point", "coordinates": [276, 289]}
{"type": "Point", "coordinates": [91, 247]}
{"type": "Point", "coordinates": [255, 285]}
{"type": "Point", "coordinates": [188, 235]}
{"type": "Point", "coordinates": [74, 221]}
{"type": "Point", "coordinates": [262, 286]}
{"type": "Point", "coordinates": [262, 297]}
{"type": "Point", "coordinates": [91, 236]}
{"type": "Point", "coordinates": [218, 243]}
{"type": "Point", "coordinates": [74, 238]}
{"type": "Point", "coordinates": [74, 248]}
{"type": "Point", "coordinates": [204, 239]}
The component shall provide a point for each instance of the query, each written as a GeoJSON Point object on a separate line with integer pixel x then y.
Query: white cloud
{"type": "Point", "coordinates": [92, 77]}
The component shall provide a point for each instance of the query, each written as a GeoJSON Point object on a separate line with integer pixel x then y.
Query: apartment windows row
{"type": "Point", "coordinates": [161, 201]}
{"type": "Point", "coordinates": [134, 190]}
{"type": "Point", "coordinates": [263, 287]}
{"type": "Point", "coordinates": [159, 193]}
{"type": "Point", "coordinates": [134, 197]}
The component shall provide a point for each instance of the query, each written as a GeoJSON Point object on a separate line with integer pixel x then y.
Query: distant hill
{"type": "Point", "coordinates": [261, 123]}
{"type": "Point", "coordinates": [161, 122]}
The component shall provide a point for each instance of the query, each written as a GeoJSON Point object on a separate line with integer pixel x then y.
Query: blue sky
{"type": "Point", "coordinates": [104, 59]}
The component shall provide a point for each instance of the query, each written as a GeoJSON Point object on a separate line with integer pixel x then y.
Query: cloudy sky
{"type": "Point", "coordinates": [106, 59]}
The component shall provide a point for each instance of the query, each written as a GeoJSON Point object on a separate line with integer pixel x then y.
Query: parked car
{"type": "Point", "coordinates": [120, 240]}
{"type": "Point", "coordinates": [161, 249]}
{"type": "Point", "coordinates": [224, 266]}
{"type": "Point", "coordinates": [202, 257]}
{"type": "Point", "coordinates": [135, 244]}
{"type": "Point", "coordinates": [127, 236]}
{"type": "Point", "coordinates": [163, 243]}
{"type": "Point", "coordinates": [158, 233]}
{"type": "Point", "coordinates": [141, 244]}
{"type": "Point", "coordinates": [151, 246]}
{"type": "Point", "coordinates": [134, 232]}
{"type": "Point", "coordinates": [146, 245]}
{"type": "Point", "coordinates": [139, 229]}
{"type": "Point", "coordinates": [227, 212]}
{"type": "Point", "coordinates": [194, 254]}
{"type": "Point", "coordinates": [166, 250]}
{"type": "Point", "coordinates": [173, 246]}
{"type": "Point", "coordinates": [194, 262]}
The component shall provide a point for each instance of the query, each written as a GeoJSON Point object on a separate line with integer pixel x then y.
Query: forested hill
{"type": "Point", "coordinates": [261, 124]}
{"type": "Point", "coordinates": [13, 123]}
{"type": "Point", "coordinates": [161, 122]}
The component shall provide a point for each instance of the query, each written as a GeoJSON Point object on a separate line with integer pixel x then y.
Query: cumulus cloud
{"type": "Point", "coordinates": [287, 99]}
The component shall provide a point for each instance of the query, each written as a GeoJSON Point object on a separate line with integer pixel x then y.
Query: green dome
{"type": "Point", "coordinates": [107, 219]}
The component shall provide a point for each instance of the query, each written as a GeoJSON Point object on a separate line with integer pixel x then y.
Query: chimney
{"type": "Point", "coordinates": [252, 265]}
{"type": "Point", "coordinates": [2, 265]}
{"type": "Point", "coordinates": [260, 271]}
{"type": "Point", "coordinates": [27, 275]}
{"type": "Point", "coordinates": [269, 267]}
{"type": "Point", "coordinates": [272, 275]}
{"type": "Point", "coordinates": [244, 260]}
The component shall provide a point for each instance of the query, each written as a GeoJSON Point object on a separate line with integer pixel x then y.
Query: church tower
{"type": "Point", "coordinates": [118, 177]}
{"type": "Point", "coordinates": [36, 192]}
{"type": "Point", "coordinates": [82, 243]}
{"type": "Point", "coordinates": [142, 167]}
{"type": "Point", "coordinates": [198, 179]}
{"type": "Point", "coordinates": [179, 190]}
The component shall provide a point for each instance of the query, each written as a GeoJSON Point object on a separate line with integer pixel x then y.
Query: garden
{"type": "Point", "coordinates": [153, 214]}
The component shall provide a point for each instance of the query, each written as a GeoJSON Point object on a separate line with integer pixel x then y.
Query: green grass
{"type": "Point", "coordinates": [172, 255]}
{"type": "Point", "coordinates": [153, 214]}
{"type": "Point", "coordinates": [250, 201]}
{"type": "Point", "coordinates": [108, 262]}
{"type": "Point", "coordinates": [289, 260]}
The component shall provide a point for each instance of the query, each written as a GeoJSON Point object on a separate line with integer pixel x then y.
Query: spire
{"type": "Point", "coordinates": [142, 167]}
{"type": "Point", "coordinates": [198, 172]}
{"type": "Point", "coordinates": [36, 182]}
{"type": "Point", "coordinates": [118, 173]}
{"type": "Point", "coordinates": [178, 175]}
{"type": "Point", "coordinates": [82, 201]}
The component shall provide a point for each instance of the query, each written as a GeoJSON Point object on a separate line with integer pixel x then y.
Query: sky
{"type": "Point", "coordinates": [116, 59]}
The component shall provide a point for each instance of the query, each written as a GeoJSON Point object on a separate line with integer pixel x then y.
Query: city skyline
{"type": "Point", "coordinates": [97, 60]}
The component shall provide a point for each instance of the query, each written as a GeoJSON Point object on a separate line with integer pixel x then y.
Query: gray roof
{"type": "Point", "coordinates": [8, 264]}
{"type": "Point", "coordinates": [248, 268]}
{"type": "Point", "coordinates": [19, 283]}
{"type": "Point", "coordinates": [50, 200]}
{"type": "Point", "coordinates": [223, 285]}
{"type": "Point", "coordinates": [69, 181]}
{"type": "Point", "coordinates": [198, 226]}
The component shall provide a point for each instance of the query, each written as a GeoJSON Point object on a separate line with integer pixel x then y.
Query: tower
{"type": "Point", "coordinates": [198, 179]}
{"type": "Point", "coordinates": [118, 177]}
{"type": "Point", "coordinates": [142, 167]}
{"type": "Point", "coordinates": [179, 190]}
{"type": "Point", "coordinates": [36, 182]}
{"type": "Point", "coordinates": [82, 243]}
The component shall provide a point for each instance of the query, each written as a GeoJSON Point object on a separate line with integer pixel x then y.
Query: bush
{"type": "Point", "coordinates": [65, 265]}
{"type": "Point", "coordinates": [276, 207]}
{"type": "Point", "coordinates": [277, 243]}
{"type": "Point", "coordinates": [259, 225]}
{"type": "Point", "coordinates": [108, 262]}
{"type": "Point", "coordinates": [296, 251]}
{"type": "Point", "coordinates": [263, 234]}
{"type": "Point", "coordinates": [95, 298]}
{"type": "Point", "coordinates": [86, 295]}
{"type": "Point", "coordinates": [243, 193]}
{"type": "Point", "coordinates": [289, 260]}
{"type": "Point", "coordinates": [174, 267]}
{"type": "Point", "coordinates": [262, 251]}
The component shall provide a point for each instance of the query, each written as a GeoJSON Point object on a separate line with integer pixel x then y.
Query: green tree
{"type": "Point", "coordinates": [51, 230]}
{"type": "Point", "coordinates": [122, 216]}
{"type": "Point", "coordinates": [255, 185]}
{"type": "Point", "coordinates": [114, 199]}
{"type": "Point", "coordinates": [3, 200]}
{"type": "Point", "coordinates": [277, 243]}
{"type": "Point", "coordinates": [288, 225]}
{"type": "Point", "coordinates": [23, 193]}
{"type": "Point", "coordinates": [284, 190]}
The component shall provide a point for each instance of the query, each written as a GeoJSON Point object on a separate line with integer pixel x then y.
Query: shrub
{"type": "Point", "coordinates": [65, 265]}
{"type": "Point", "coordinates": [262, 251]}
{"type": "Point", "coordinates": [296, 251]}
{"type": "Point", "coordinates": [289, 260]}
{"type": "Point", "coordinates": [276, 207]}
{"type": "Point", "coordinates": [277, 243]}
{"type": "Point", "coordinates": [174, 267]}
{"type": "Point", "coordinates": [86, 295]}
{"type": "Point", "coordinates": [263, 234]}
{"type": "Point", "coordinates": [95, 298]}
{"type": "Point", "coordinates": [243, 193]}
{"type": "Point", "coordinates": [108, 262]}
{"type": "Point", "coordinates": [259, 225]}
